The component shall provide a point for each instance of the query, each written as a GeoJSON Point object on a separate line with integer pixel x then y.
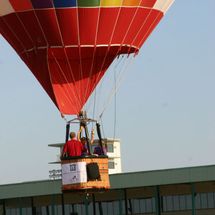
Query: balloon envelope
{"type": "Point", "coordinates": [69, 44]}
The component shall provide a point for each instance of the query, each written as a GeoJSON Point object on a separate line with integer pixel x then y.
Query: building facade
{"type": "Point", "coordinates": [183, 191]}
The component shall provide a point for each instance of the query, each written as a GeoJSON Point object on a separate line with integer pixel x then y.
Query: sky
{"type": "Point", "coordinates": [165, 107]}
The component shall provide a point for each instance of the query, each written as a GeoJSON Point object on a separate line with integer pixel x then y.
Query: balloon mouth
{"type": "Point", "coordinates": [120, 48]}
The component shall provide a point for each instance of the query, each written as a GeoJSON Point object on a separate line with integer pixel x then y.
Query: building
{"type": "Point", "coordinates": [182, 191]}
{"type": "Point", "coordinates": [113, 152]}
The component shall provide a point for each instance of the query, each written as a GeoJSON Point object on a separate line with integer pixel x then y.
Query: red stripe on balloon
{"type": "Point", "coordinates": [47, 20]}
{"type": "Point", "coordinates": [21, 5]}
{"type": "Point", "coordinates": [69, 32]}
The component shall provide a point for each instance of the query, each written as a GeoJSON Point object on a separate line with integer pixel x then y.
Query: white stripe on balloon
{"type": "Point", "coordinates": [6, 7]}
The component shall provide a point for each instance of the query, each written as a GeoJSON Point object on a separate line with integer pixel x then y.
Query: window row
{"type": "Point", "coordinates": [134, 206]}
{"type": "Point", "coordinates": [184, 202]}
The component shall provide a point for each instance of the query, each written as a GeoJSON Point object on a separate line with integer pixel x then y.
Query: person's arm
{"type": "Point", "coordinates": [83, 149]}
{"type": "Point", "coordinates": [92, 136]}
{"type": "Point", "coordinates": [64, 152]}
{"type": "Point", "coordinates": [79, 133]}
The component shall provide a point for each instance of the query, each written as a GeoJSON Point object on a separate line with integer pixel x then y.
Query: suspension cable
{"type": "Point", "coordinates": [115, 107]}
{"type": "Point", "coordinates": [119, 82]}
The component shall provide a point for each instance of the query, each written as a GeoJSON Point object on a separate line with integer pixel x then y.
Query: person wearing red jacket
{"type": "Point", "coordinates": [73, 147]}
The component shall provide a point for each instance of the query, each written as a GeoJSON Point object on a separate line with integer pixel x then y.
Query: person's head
{"type": "Point", "coordinates": [83, 140]}
{"type": "Point", "coordinates": [72, 135]}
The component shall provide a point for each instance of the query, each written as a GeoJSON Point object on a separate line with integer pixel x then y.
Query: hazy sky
{"type": "Point", "coordinates": [165, 105]}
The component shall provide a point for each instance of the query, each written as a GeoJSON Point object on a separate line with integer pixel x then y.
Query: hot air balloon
{"type": "Point", "coordinates": [68, 45]}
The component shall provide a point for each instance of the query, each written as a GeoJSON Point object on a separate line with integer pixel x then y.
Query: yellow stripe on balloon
{"type": "Point", "coordinates": [111, 3]}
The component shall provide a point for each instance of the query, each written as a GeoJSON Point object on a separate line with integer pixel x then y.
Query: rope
{"type": "Point", "coordinates": [94, 51]}
{"type": "Point", "coordinates": [149, 29]}
{"type": "Point", "coordinates": [94, 105]}
{"type": "Point", "coordinates": [79, 47]}
{"type": "Point", "coordinates": [61, 70]}
{"type": "Point", "coordinates": [5, 22]}
{"type": "Point", "coordinates": [112, 35]}
{"type": "Point", "coordinates": [115, 107]}
{"type": "Point", "coordinates": [103, 131]}
{"type": "Point", "coordinates": [115, 89]}
{"type": "Point", "coordinates": [67, 59]}
{"type": "Point", "coordinates": [142, 26]}
{"type": "Point", "coordinates": [29, 36]}
{"type": "Point", "coordinates": [96, 96]}
{"type": "Point", "coordinates": [106, 54]}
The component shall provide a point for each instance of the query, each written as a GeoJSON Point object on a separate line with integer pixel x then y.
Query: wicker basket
{"type": "Point", "coordinates": [98, 167]}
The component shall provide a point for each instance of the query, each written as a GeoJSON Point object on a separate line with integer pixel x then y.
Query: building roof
{"type": "Point", "coordinates": [96, 140]}
{"type": "Point", "coordinates": [58, 145]}
{"type": "Point", "coordinates": [118, 181]}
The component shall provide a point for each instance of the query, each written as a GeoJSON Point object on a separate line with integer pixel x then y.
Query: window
{"type": "Point", "coordinates": [169, 201]}
{"type": "Point", "coordinates": [211, 200]}
{"type": "Point", "coordinates": [141, 206]}
{"type": "Point", "coordinates": [205, 200]}
{"type": "Point", "coordinates": [136, 205]}
{"type": "Point", "coordinates": [111, 164]}
{"type": "Point", "coordinates": [177, 202]}
{"type": "Point", "coordinates": [110, 148]}
{"type": "Point", "coordinates": [182, 203]}
{"type": "Point", "coordinates": [149, 205]}
{"type": "Point", "coordinates": [188, 202]}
